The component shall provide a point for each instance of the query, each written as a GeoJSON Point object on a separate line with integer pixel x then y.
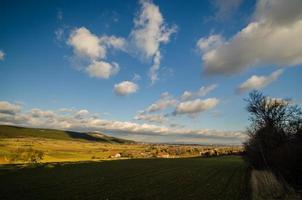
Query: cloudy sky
{"type": "Point", "coordinates": [153, 71]}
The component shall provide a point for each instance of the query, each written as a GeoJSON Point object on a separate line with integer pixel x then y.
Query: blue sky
{"type": "Point", "coordinates": [82, 57]}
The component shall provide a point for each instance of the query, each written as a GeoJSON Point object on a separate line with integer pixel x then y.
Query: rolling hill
{"type": "Point", "coordinates": [22, 132]}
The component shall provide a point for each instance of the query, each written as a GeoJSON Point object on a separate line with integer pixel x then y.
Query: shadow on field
{"type": "Point", "coordinates": [84, 136]}
{"type": "Point", "coordinates": [189, 178]}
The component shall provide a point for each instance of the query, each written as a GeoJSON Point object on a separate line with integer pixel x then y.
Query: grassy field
{"type": "Point", "coordinates": [66, 146]}
{"type": "Point", "coordinates": [64, 151]}
{"type": "Point", "coordinates": [186, 178]}
{"type": "Point", "coordinates": [22, 132]}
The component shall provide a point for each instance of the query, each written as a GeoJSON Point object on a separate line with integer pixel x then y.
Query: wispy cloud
{"type": "Point", "coordinates": [150, 31]}
{"type": "Point", "coordinates": [258, 82]}
{"type": "Point", "coordinates": [195, 106]}
{"type": "Point", "coordinates": [2, 55]}
{"type": "Point", "coordinates": [166, 100]}
{"type": "Point", "coordinates": [225, 8]}
{"type": "Point", "coordinates": [203, 91]}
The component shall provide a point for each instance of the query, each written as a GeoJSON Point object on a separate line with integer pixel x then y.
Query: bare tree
{"type": "Point", "coordinates": [275, 138]}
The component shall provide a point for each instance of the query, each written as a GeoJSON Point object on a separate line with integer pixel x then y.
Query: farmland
{"type": "Point", "coordinates": [224, 177]}
{"type": "Point", "coordinates": [62, 146]}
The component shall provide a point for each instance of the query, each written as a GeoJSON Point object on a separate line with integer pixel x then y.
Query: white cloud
{"type": "Point", "coordinates": [86, 44]}
{"type": "Point", "coordinates": [272, 101]}
{"type": "Point", "coordinates": [101, 69]}
{"type": "Point", "coordinates": [155, 67]}
{"type": "Point", "coordinates": [166, 100]}
{"type": "Point", "coordinates": [94, 49]}
{"type": "Point", "coordinates": [212, 42]}
{"type": "Point", "coordinates": [186, 95]}
{"type": "Point", "coordinates": [68, 121]}
{"type": "Point", "coordinates": [203, 91]}
{"type": "Point", "coordinates": [113, 42]}
{"type": "Point", "coordinates": [2, 55]}
{"type": "Point", "coordinates": [37, 113]}
{"type": "Point", "coordinates": [149, 32]}
{"type": "Point", "coordinates": [258, 82]}
{"type": "Point", "coordinates": [150, 118]}
{"type": "Point", "coordinates": [9, 108]}
{"type": "Point", "coordinates": [195, 106]}
{"type": "Point", "coordinates": [81, 114]}
{"type": "Point", "coordinates": [270, 39]}
{"type": "Point", "coordinates": [125, 88]}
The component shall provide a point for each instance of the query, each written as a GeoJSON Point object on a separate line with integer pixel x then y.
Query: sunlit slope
{"type": "Point", "coordinates": [21, 132]}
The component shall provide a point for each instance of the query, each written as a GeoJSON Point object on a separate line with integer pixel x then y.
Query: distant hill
{"type": "Point", "coordinates": [21, 132]}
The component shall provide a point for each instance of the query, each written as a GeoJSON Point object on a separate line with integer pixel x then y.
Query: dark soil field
{"type": "Point", "coordinates": [187, 178]}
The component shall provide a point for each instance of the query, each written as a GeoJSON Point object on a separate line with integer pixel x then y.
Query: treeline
{"type": "Point", "coordinates": [275, 137]}
{"type": "Point", "coordinates": [176, 151]}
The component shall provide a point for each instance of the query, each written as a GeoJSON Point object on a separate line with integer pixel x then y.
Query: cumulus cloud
{"type": "Point", "coordinates": [195, 106]}
{"type": "Point", "coordinates": [68, 121]}
{"type": "Point", "coordinates": [150, 30]}
{"type": "Point", "coordinates": [101, 69]}
{"type": "Point", "coordinates": [166, 100]}
{"type": "Point", "coordinates": [126, 87]}
{"type": "Point", "coordinates": [2, 55]}
{"type": "Point", "coordinates": [271, 38]}
{"type": "Point", "coordinates": [9, 108]}
{"type": "Point", "coordinates": [86, 44]}
{"type": "Point", "coordinates": [203, 91]}
{"type": "Point", "coordinates": [93, 49]}
{"type": "Point", "coordinates": [258, 82]}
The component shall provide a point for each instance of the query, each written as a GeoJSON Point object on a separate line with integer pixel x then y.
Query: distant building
{"type": "Point", "coordinates": [163, 155]}
{"type": "Point", "coordinates": [118, 155]}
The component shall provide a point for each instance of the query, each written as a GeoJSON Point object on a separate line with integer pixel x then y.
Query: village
{"type": "Point", "coordinates": [177, 151]}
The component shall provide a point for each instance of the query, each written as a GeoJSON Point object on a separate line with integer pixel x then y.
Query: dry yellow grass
{"type": "Point", "coordinates": [266, 186]}
{"type": "Point", "coordinates": [64, 151]}
{"type": "Point", "coordinates": [57, 150]}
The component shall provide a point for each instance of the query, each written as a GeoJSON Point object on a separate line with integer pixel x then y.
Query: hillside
{"type": "Point", "coordinates": [22, 132]}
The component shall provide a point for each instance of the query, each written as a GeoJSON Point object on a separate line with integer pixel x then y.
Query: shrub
{"type": "Point", "coordinates": [28, 155]}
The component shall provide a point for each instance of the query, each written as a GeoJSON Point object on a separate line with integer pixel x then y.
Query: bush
{"type": "Point", "coordinates": [29, 155]}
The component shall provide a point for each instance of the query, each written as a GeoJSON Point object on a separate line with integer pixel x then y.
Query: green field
{"type": "Point", "coordinates": [186, 178]}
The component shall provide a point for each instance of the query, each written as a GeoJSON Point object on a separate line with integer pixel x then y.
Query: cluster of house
{"type": "Point", "coordinates": [209, 152]}
{"type": "Point", "coordinates": [118, 155]}
{"type": "Point", "coordinates": [218, 152]}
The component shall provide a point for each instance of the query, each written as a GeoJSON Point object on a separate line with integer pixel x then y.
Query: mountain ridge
{"type": "Point", "coordinates": [10, 131]}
